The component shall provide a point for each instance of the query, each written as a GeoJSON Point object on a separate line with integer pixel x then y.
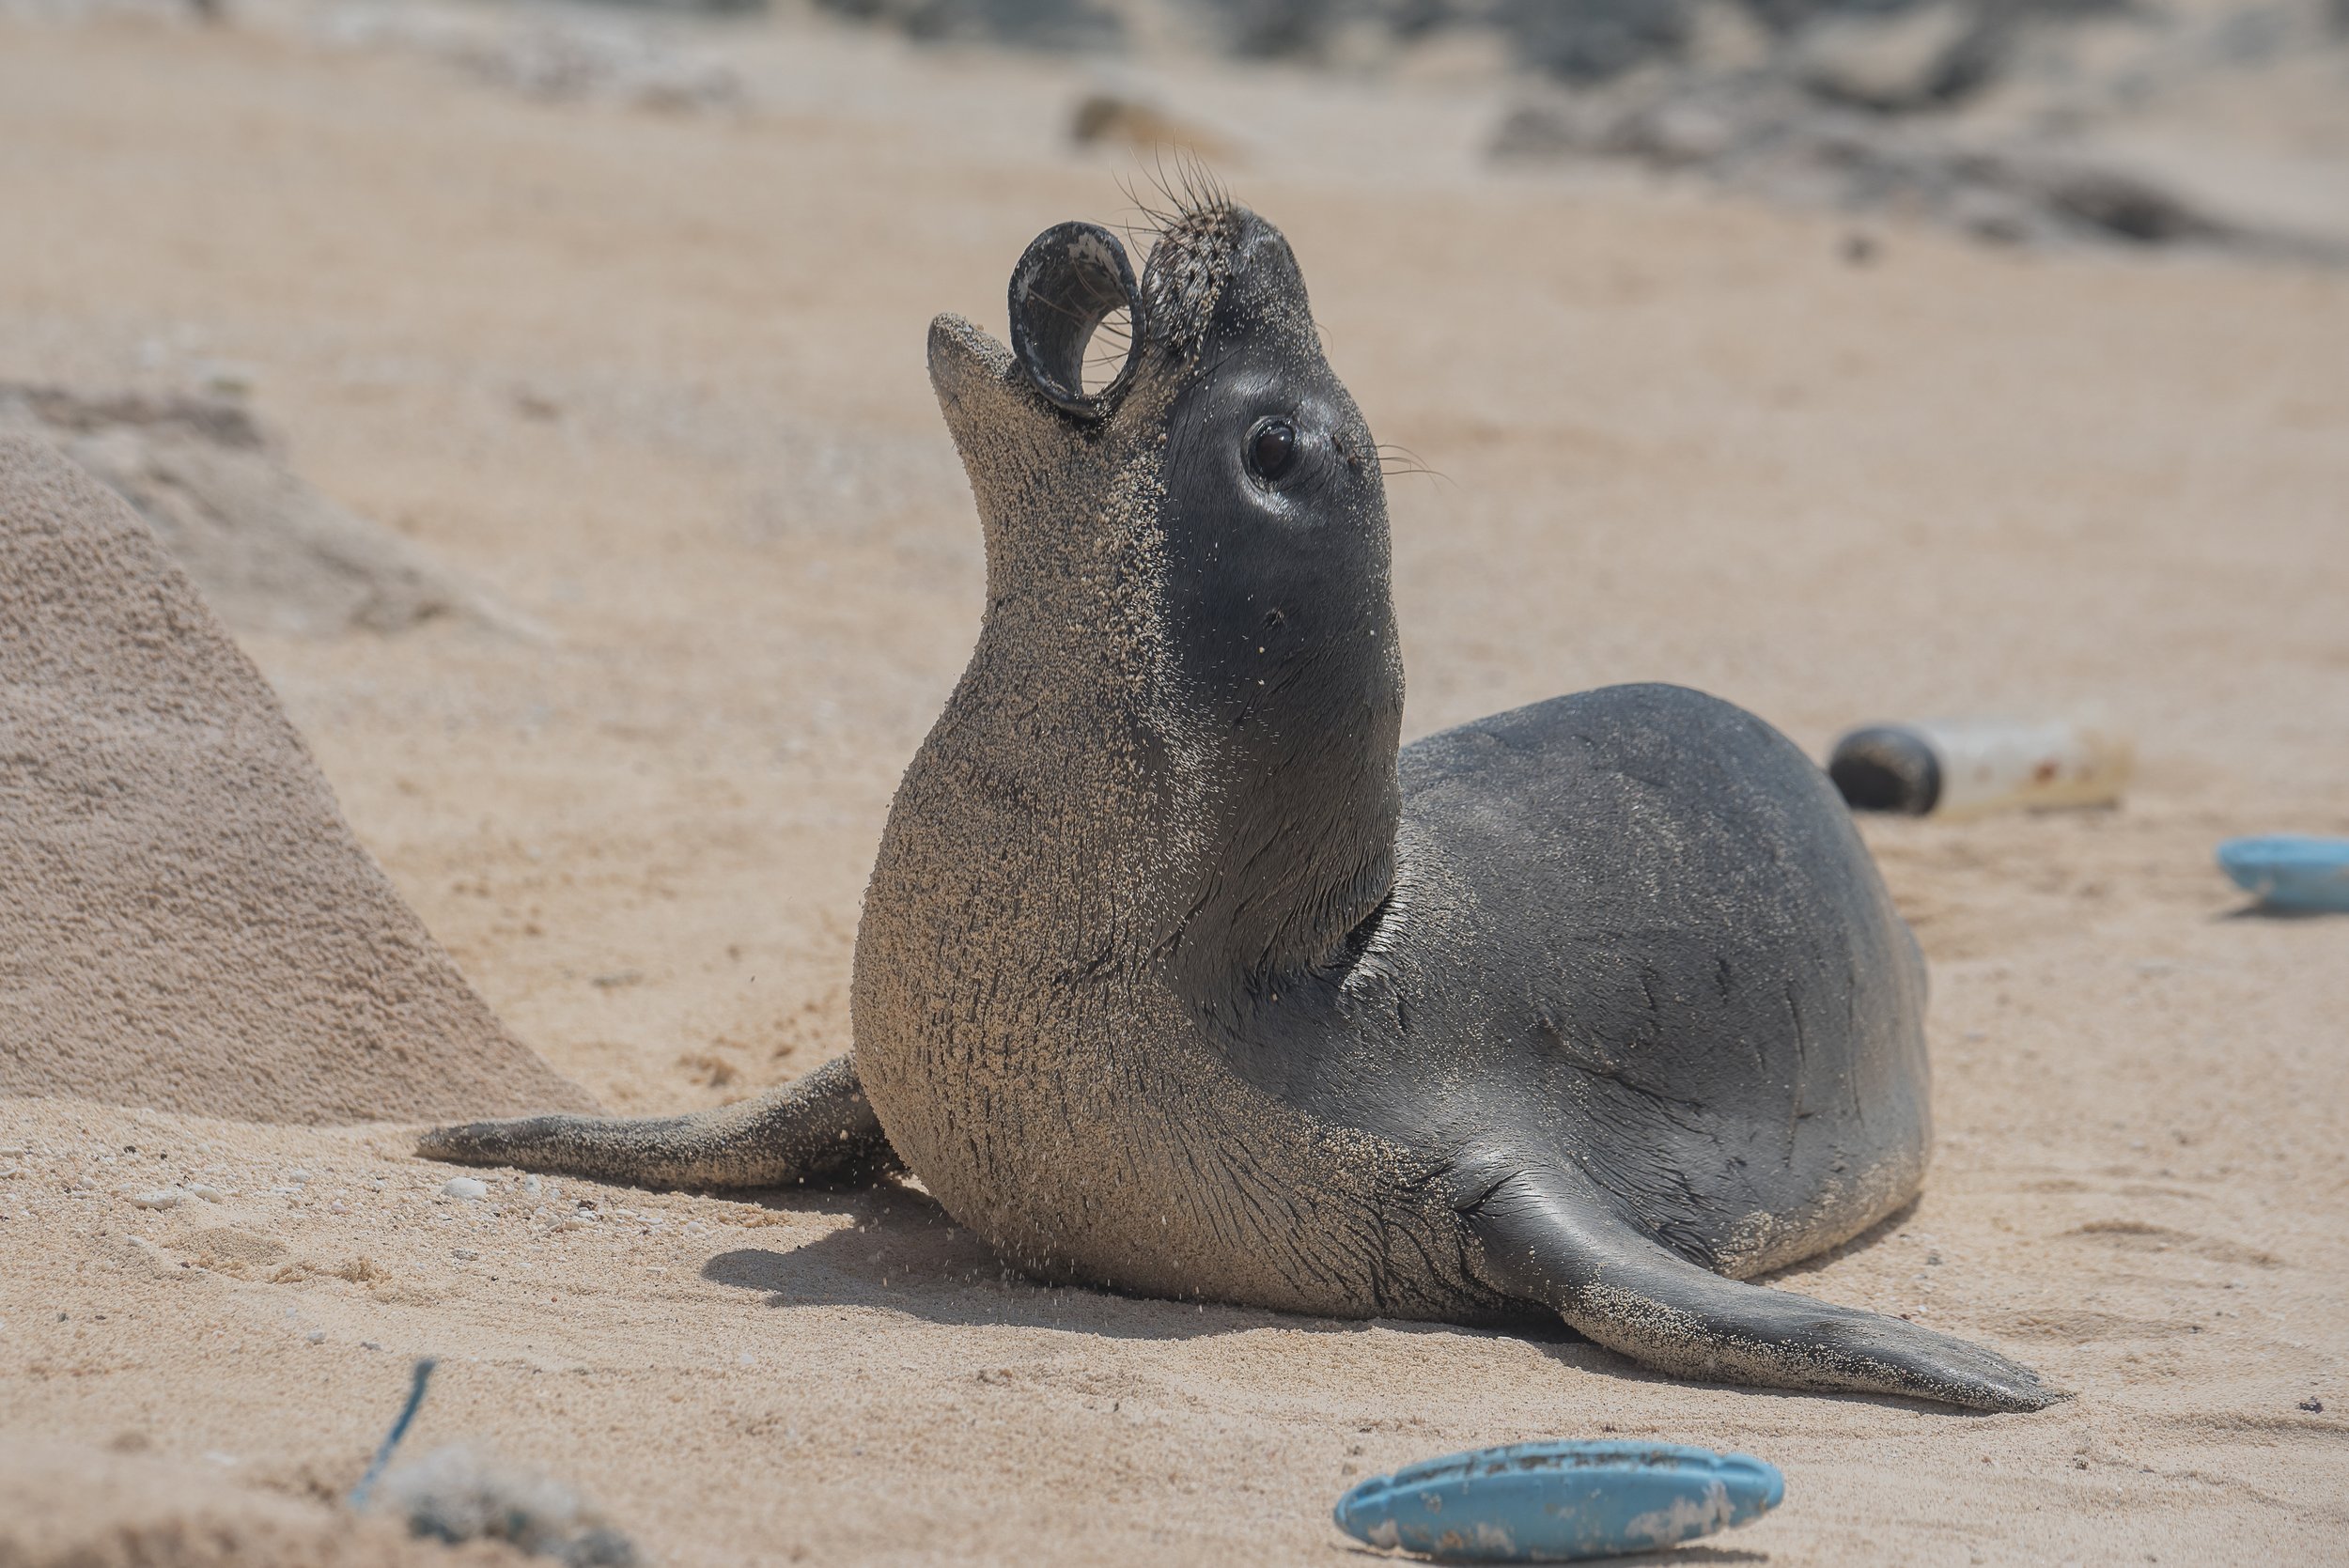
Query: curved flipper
{"type": "Point", "coordinates": [1546, 1237]}
{"type": "Point", "coordinates": [819, 1127]}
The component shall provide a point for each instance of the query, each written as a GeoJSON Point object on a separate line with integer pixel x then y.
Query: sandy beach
{"type": "Point", "coordinates": [653, 378]}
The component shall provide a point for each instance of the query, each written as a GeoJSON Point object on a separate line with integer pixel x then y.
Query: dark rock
{"type": "Point", "coordinates": [1044, 25]}
{"type": "Point", "coordinates": [1764, 136]}
{"type": "Point", "coordinates": [1591, 41]}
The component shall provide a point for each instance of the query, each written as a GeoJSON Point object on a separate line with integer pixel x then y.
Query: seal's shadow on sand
{"type": "Point", "coordinates": [903, 1254]}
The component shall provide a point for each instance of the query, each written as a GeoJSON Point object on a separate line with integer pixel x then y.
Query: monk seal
{"type": "Point", "coordinates": [1177, 977]}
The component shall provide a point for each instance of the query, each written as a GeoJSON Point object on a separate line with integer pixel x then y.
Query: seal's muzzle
{"type": "Point", "coordinates": [1071, 279]}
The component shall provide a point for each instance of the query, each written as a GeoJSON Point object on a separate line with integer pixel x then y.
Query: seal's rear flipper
{"type": "Point", "coordinates": [1545, 1237]}
{"type": "Point", "coordinates": [817, 1129]}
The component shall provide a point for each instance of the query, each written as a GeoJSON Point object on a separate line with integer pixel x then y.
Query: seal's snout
{"type": "Point", "coordinates": [963, 361]}
{"type": "Point", "coordinates": [980, 387]}
{"type": "Point", "coordinates": [1004, 432]}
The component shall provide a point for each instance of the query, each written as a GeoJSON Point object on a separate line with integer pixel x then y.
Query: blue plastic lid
{"type": "Point", "coordinates": [1558, 1501]}
{"type": "Point", "coordinates": [2289, 870]}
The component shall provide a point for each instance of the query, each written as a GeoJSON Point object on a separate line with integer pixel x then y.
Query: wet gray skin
{"type": "Point", "coordinates": [1176, 978]}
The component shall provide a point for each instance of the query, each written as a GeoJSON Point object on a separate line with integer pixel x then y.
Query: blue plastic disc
{"type": "Point", "coordinates": [2289, 870]}
{"type": "Point", "coordinates": [1559, 1501]}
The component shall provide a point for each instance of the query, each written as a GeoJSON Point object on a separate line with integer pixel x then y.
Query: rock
{"type": "Point", "coordinates": [1674, 135]}
{"type": "Point", "coordinates": [468, 1189]}
{"type": "Point", "coordinates": [169, 1198]}
{"type": "Point", "coordinates": [2002, 217]}
{"type": "Point", "coordinates": [1107, 118]}
{"type": "Point", "coordinates": [1044, 25]}
{"type": "Point", "coordinates": [2116, 202]}
{"type": "Point", "coordinates": [271, 553]}
{"type": "Point", "coordinates": [1930, 53]}
{"type": "Point", "coordinates": [1725, 37]}
{"type": "Point", "coordinates": [562, 60]}
{"type": "Point", "coordinates": [1761, 136]}
{"type": "Point", "coordinates": [456, 1495]}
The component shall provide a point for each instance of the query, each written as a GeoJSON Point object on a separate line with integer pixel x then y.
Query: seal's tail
{"type": "Point", "coordinates": [817, 1127]}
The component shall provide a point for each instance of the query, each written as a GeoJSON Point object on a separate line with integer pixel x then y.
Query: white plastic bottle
{"type": "Point", "coordinates": [1968, 766]}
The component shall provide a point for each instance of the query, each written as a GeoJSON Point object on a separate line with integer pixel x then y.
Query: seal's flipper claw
{"type": "Point", "coordinates": [1541, 1237]}
{"type": "Point", "coordinates": [816, 1128]}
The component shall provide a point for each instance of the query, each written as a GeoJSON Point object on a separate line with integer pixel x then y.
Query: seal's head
{"type": "Point", "coordinates": [1269, 474]}
{"type": "Point", "coordinates": [1212, 523]}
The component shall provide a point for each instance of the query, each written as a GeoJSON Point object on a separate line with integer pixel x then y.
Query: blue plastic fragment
{"type": "Point", "coordinates": [2289, 870]}
{"type": "Point", "coordinates": [1559, 1501]}
{"type": "Point", "coordinates": [419, 1380]}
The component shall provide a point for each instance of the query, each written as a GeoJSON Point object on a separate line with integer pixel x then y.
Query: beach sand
{"type": "Point", "coordinates": [656, 379]}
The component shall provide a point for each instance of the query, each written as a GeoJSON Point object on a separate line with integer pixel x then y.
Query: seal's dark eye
{"type": "Point", "coordinates": [1271, 448]}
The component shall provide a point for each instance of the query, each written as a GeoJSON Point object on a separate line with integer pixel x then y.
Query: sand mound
{"type": "Point", "coordinates": [271, 552]}
{"type": "Point", "coordinates": [63, 1507]}
{"type": "Point", "coordinates": [188, 922]}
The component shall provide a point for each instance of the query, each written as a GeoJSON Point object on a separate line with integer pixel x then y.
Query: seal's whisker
{"type": "Point", "coordinates": [1039, 297]}
{"type": "Point", "coordinates": [1152, 223]}
{"type": "Point", "coordinates": [1106, 349]}
{"type": "Point", "coordinates": [1159, 181]}
{"type": "Point", "coordinates": [1200, 184]}
{"type": "Point", "coordinates": [1396, 460]}
{"type": "Point", "coordinates": [1194, 189]}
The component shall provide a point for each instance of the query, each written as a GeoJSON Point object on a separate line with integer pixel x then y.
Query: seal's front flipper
{"type": "Point", "coordinates": [1542, 1236]}
{"type": "Point", "coordinates": [819, 1127]}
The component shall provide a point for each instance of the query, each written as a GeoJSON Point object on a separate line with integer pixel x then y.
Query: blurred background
{"type": "Point", "coordinates": [537, 391]}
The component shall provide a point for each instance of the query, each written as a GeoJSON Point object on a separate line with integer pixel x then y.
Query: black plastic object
{"type": "Point", "coordinates": [1070, 280]}
{"type": "Point", "coordinates": [1885, 768]}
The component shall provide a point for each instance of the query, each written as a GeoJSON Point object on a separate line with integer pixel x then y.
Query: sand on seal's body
{"type": "Point", "coordinates": [188, 922]}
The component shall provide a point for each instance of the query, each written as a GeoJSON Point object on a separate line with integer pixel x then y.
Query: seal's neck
{"type": "Point", "coordinates": [1160, 757]}
{"type": "Point", "coordinates": [1301, 803]}
{"type": "Point", "coordinates": [1222, 793]}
